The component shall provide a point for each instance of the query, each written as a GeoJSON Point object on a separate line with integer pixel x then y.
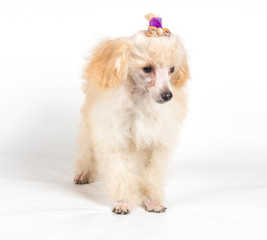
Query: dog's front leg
{"type": "Point", "coordinates": [154, 179]}
{"type": "Point", "coordinates": [121, 181]}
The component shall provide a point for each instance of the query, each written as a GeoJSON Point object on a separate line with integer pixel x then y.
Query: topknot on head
{"type": "Point", "coordinates": [150, 15]}
{"type": "Point", "coordinates": [155, 28]}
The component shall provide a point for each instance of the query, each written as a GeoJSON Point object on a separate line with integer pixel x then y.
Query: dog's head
{"type": "Point", "coordinates": [152, 65]}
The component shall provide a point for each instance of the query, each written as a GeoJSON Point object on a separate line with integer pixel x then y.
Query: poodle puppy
{"type": "Point", "coordinates": [135, 103]}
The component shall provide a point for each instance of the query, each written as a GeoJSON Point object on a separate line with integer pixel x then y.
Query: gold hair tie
{"type": "Point", "coordinates": [155, 28]}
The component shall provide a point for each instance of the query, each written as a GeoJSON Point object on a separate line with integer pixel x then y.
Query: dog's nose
{"type": "Point", "coordinates": [166, 96]}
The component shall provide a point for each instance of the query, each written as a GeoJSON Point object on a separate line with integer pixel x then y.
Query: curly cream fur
{"type": "Point", "coordinates": [125, 136]}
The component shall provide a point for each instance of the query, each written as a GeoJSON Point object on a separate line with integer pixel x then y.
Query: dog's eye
{"type": "Point", "coordinates": [147, 69]}
{"type": "Point", "coordinates": [172, 69]}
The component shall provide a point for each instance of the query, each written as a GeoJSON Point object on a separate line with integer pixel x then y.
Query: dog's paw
{"type": "Point", "coordinates": [121, 207]}
{"type": "Point", "coordinates": [153, 206]}
{"type": "Point", "coordinates": [81, 179]}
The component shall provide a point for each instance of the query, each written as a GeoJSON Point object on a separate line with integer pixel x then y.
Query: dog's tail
{"type": "Point", "coordinates": [150, 15]}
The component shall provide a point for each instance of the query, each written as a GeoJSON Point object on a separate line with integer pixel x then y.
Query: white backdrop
{"type": "Point", "coordinates": [218, 180]}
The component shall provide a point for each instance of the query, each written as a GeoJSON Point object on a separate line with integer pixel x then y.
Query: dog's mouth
{"type": "Point", "coordinates": [160, 101]}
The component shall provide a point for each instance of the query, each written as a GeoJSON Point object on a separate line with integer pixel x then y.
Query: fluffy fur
{"type": "Point", "coordinates": [126, 133]}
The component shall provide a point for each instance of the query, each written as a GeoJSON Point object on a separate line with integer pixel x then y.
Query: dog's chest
{"type": "Point", "coordinates": [126, 125]}
{"type": "Point", "coordinates": [148, 126]}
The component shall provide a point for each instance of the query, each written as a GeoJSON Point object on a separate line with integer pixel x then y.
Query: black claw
{"type": "Point", "coordinates": [120, 212]}
{"type": "Point", "coordinates": [160, 211]}
{"type": "Point", "coordinates": [80, 182]}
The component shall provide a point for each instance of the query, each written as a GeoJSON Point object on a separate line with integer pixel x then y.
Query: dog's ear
{"type": "Point", "coordinates": [106, 67]}
{"type": "Point", "coordinates": [180, 76]}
